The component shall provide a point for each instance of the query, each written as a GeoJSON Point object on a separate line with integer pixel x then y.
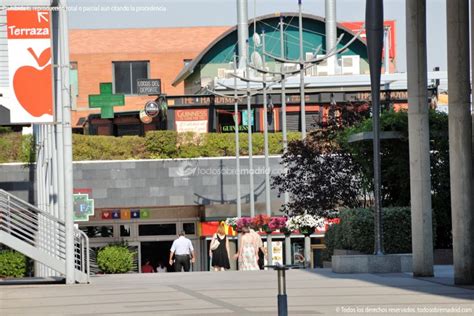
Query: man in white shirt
{"type": "Point", "coordinates": [183, 251]}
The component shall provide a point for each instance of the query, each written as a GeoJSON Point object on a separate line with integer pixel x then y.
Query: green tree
{"type": "Point", "coordinates": [396, 165]}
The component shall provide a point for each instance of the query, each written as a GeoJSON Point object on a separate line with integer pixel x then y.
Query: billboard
{"type": "Point", "coordinates": [356, 26]}
{"type": "Point", "coordinates": [192, 120]}
{"type": "Point", "coordinates": [29, 62]}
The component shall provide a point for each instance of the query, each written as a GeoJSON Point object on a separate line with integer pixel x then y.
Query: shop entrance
{"type": "Point", "coordinates": [157, 252]}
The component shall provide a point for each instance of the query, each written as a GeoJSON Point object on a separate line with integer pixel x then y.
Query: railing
{"type": "Point", "coordinates": [47, 234]}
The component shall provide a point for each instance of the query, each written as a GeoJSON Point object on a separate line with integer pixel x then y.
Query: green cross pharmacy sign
{"type": "Point", "coordinates": [106, 100]}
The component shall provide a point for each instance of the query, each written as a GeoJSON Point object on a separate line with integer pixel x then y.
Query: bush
{"type": "Point", "coordinates": [356, 231]}
{"type": "Point", "coordinates": [162, 144]}
{"type": "Point", "coordinates": [12, 264]}
{"type": "Point", "coordinates": [86, 147]}
{"type": "Point", "coordinates": [115, 259]}
{"type": "Point", "coordinates": [156, 144]}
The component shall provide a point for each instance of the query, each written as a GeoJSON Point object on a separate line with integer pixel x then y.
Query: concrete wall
{"type": "Point", "coordinates": [209, 182]}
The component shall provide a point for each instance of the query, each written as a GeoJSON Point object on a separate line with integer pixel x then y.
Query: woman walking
{"type": "Point", "coordinates": [248, 252]}
{"type": "Point", "coordinates": [220, 254]}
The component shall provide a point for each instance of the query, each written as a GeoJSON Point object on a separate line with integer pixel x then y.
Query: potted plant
{"type": "Point", "coordinates": [243, 222]}
{"type": "Point", "coordinates": [305, 224]}
{"type": "Point", "coordinates": [260, 222]}
{"type": "Point", "coordinates": [232, 222]}
{"type": "Point", "coordinates": [279, 224]}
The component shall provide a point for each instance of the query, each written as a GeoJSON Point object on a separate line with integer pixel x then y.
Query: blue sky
{"type": "Point", "coordinates": [175, 13]}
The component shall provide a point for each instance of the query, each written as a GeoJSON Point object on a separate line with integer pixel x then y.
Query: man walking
{"type": "Point", "coordinates": [183, 251]}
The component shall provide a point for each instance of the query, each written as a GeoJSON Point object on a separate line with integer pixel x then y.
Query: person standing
{"type": "Point", "coordinates": [220, 255]}
{"type": "Point", "coordinates": [147, 267]}
{"type": "Point", "coordinates": [183, 251]}
{"type": "Point", "coordinates": [248, 252]}
{"type": "Point", "coordinates": [262, 253]}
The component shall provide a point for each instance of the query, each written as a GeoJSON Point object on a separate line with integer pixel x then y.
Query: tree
{"type": "Point", "coordinates": [396, 165]}
{"type": "Point", "coordinates": [320, 176]}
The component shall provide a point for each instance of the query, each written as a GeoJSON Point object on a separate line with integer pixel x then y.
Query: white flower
{"type": "Point", "coordinates": [299, 221]}
{"type": "Point", "coordinates": [231, 221]}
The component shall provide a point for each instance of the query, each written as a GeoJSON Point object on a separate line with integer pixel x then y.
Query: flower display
{"type": "Point", "coordinates": [305, 224]}
{"type": "Point", "coordinates": [261, 222]}
{"type": "Point", "coordinates": [232, 222]}
{"type": "Point", "coordinates": [277, 223]}
{"type": "Point", "coordinates": [243, 222]}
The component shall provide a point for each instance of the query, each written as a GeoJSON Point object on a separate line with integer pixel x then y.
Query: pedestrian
{"type": "Point", "coordinates": [183, 252]}
{"type": "Point", "coordinates": [161, 268]}
{"type": "Point", "coordinates": [147, 267]}
{"type": "Point", "coordinates": [220, 255]}
{"type": "Point", "coordinates": [248, 251]}
{"type": "Point", "coordinates": [262, 253]}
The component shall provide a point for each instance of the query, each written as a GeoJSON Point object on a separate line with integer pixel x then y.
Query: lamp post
{"type": "Point", "coordinates": [302, 70]}
{"type": "Point", "coordinates": [237, 144]}
{"type": "Point", "coordinates": [286, 196]}
{"type": "Point", "coordinates": [249, 127]}
{"type": "Point", "coordinates": [375, 31]}
{"type": "Point", "coordinates": [268, 205]}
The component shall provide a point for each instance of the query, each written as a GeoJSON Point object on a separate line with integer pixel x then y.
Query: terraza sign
{"type": "Point", "coordinates": [149, 86]}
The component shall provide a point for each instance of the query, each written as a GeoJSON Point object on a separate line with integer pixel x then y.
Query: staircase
{"type": "Point", "coordinates": [41, 236]}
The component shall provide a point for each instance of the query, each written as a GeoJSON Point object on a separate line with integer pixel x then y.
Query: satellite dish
{"type": "Point", "coordinates": [256, 40]}
{"type": "Point", "coordinates": [256, 59]}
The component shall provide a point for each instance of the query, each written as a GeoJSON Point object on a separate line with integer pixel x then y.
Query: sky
{"type": "Point", "coordinates": [104, 14]}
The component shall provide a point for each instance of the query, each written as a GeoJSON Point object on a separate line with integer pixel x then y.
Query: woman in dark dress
{"type": "Point", "coordinates": [220, 255]}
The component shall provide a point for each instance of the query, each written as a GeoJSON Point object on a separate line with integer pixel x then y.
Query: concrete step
{"type": "Point", "coordinates": [31, 281]}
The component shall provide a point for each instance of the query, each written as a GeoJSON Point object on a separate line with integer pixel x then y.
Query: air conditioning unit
{"type": "Point", "coordinates": [322, 67]}
{"type": "Point", "coordinates": [351, 65]}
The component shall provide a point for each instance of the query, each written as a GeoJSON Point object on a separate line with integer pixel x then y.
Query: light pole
{"type": "Point", "coordinates": [286, 196]}
{"type": "Point", "coordinates": [302, 71]}
{"type": "Point", "coordinates": [374, 27]}
{"type": "Point", "coordinates": [237, 144]}
{"type": "Point", "coordinates": [249, 127]}
{"type": "Point", "coordinates": [268, 202]}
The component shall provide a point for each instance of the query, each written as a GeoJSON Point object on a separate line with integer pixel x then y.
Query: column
{"type": "Point", "coordinates": [419, 139]}
{"type": "Point", "coordinates": [460, 145]}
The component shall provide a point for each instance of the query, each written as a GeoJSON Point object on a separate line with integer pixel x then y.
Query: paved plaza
{"type": "Point", "coordinates": [317, 292]}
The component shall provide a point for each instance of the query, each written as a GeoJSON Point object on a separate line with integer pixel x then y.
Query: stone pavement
{"type": "Point", "coordinates": [317, 292]}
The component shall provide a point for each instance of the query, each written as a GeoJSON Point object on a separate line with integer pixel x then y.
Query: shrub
{"type": "Point", "coordinates": [115, 259]}
{"type": "Point", "coordinates": [356, 231]}
{"type": "Point", "coordinates": [86, 147]}
{"type": "Point", "coordinates": [12, 264]}
{"type": "Point", "coordinates": [162, 144]}
{"type": "Point", "coordinates": [156, 144]}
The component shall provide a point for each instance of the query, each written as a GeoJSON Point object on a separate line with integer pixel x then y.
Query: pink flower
{"type": "Point", "coordinates": [277, 223]}
{"type": "Point", "coordinates": [243, 222]}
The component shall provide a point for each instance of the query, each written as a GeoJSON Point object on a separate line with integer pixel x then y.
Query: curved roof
{"type": "Point", "coordinates": [189, 69]}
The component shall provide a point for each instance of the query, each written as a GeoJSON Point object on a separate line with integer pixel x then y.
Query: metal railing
{"type": "Point", "coordinates": [33, 227]}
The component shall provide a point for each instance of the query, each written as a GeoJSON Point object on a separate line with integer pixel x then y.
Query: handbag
{"type": "Point", "coordinates": [214, 244]}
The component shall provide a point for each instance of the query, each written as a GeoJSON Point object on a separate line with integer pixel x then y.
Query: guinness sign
{"type": "Point", "coordinates": [152, 109]}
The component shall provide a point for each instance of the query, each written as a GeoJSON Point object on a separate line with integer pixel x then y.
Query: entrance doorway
{"type": "Point", "coordinates": [156, 252]}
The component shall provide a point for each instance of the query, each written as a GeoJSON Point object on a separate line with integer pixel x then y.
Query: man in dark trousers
{"type": "Point", "coordinates": [183, 251]}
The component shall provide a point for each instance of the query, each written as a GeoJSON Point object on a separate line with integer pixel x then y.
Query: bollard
{"type": "Point", "coordinates": [282, 298]}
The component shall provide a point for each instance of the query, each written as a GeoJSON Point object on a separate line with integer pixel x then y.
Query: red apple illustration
{"type": "Point", "coordinates": [33, 87]}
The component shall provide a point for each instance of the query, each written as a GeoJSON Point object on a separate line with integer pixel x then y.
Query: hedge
{"type": "Point", "coordinates": [356, 231]}
{"type": "Point", "coordinates": [156, 144]}
{"type": "Point", "coordinates": [115, 259]}
{"type": "Point", "coordinates": [12, 264]}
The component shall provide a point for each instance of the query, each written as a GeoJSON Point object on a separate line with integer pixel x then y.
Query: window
{"type": "Point", "coordinates": [187, 61]}
{"type": "Point", "coordinates": [98, 231]}
{"type": "Point", "coordinates": [126, 74]}
{"type": "Point", "coordinates": [125, 230]}
{"type": "Point", "coordinates": [189, 228]}
{"type": "Point", "coordinates": [156, 229]}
